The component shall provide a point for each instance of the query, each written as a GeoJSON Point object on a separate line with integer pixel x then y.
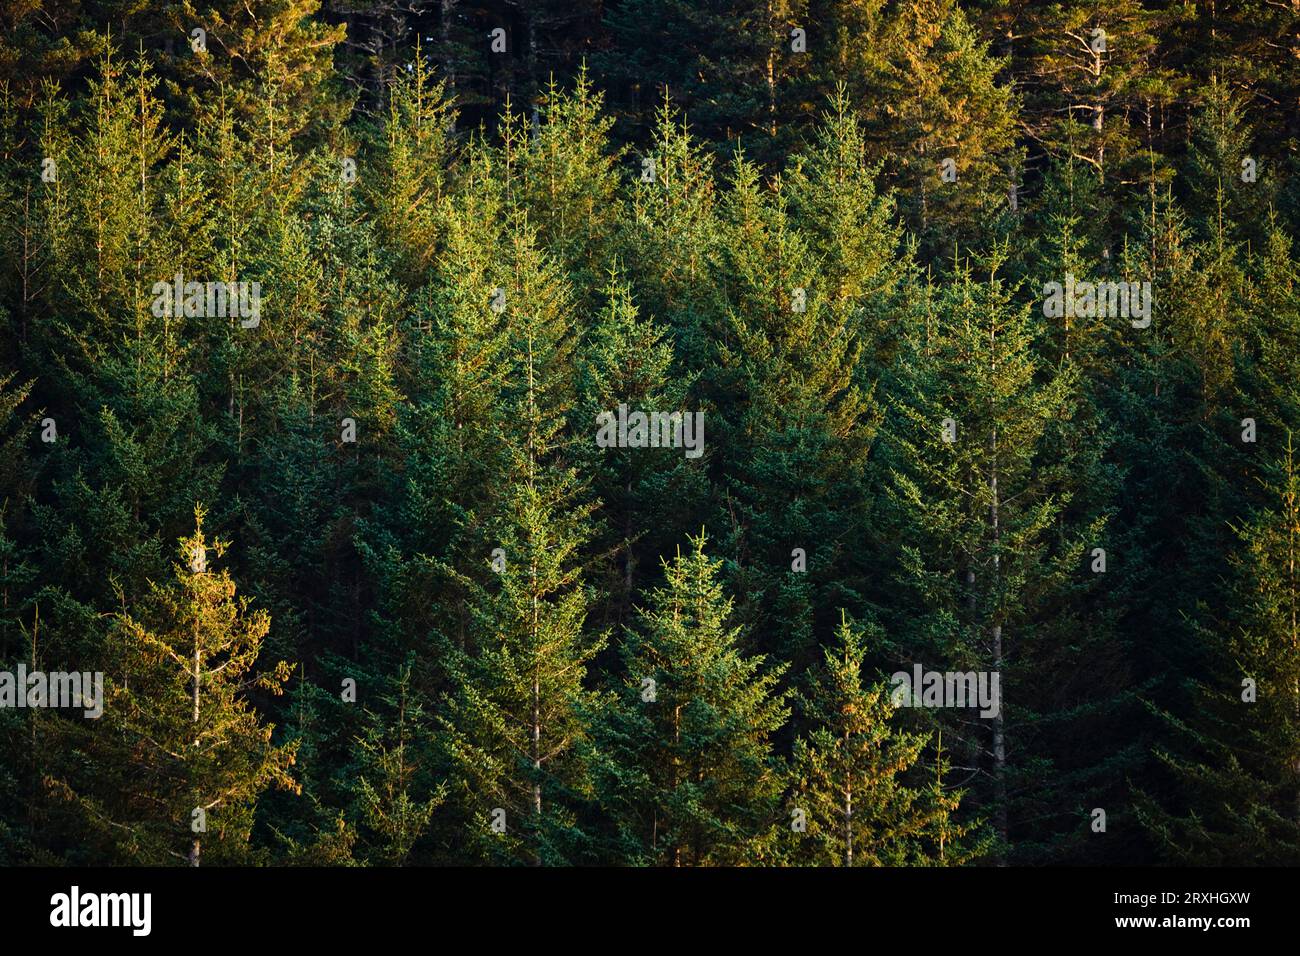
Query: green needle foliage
{"type": "Point", "coordinates": [691, 773]}
{"type": "Point", "coordinates": [426, 251]}
{"type": "Point", "coordinates": [851, 775]}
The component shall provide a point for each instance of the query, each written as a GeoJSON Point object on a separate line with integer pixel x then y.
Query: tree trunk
{"type": "Point", "coordinates": [848, 808]}
{"type": "Point", "coordinates": [445, 60]}
{"type": "Point", "coordinates": [999, 739]}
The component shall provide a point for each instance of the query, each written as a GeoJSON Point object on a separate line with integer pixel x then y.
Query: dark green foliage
{"type": "Point", "coordinates": [467, 258]}
{"type": "Point", "coordinates": [850, 776]}
{"type": "Point", "coordinates": [690, 773]}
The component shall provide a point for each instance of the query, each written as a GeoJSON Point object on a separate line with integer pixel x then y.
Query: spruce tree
{"type": "Point", "coordinates": [976, 508]}
{"type": "Point", "coordinates": [648, 495]}
{"type": "Point", "coordinates": [396, 800]}
{"type": "Point", "coordinates": [851, 227]}
{"type": "Point", "coordinates": [516, 714]}
{"type": "Point", "coordinates": [855, 776]}
{"type": "Point", "coordinates": [688, 773]}
{"type": "Point", "coordinates": [570, 184]}
{"type": "Point", "coordinates": [180, 755]}
{"type": "Point", "coordinates": [794, 422]}
{"type": "Point", "coordinates": [270, 57]}
{"type": "Point", "coordinates": [669, 232]}
{"type": "Point", "coordinates": [944, 126]}
{"type": "Point", "coordinates": [1238, 779]}
{"type": "Point", "coordinates": [1221, 183]}
{"type": "Point", "coordinates": [409, 176]}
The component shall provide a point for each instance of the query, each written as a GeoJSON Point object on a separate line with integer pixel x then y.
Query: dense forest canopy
{"type": "Point", "coordinates": [649, 432]}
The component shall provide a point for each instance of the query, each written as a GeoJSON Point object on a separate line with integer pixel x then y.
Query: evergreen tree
{"type": "Point", "coordinates": [648, 494]}
{"type": "Point", "coordinates": [851, 228]}
{"type": "Point", "coordinates": [975, 509]}
{"type": "Point", "coordinates": [1269, 363]}
{"type": "Point", "coordinates": [410, 175]}
{"type": "Point", "coordinates": [270, 59]}
{"type": "Point", "coordinates": [1220, 183]}
{"type": "Point", "coordinates": [945, 124]}
{"type": "Point", "coordinates": [390, 754]}
{"type": "Point", "coordinates": [791, 408]}
{"type": "Point", "coordinates": [1235, 763]}
{"type": "Point", "coordinates": [467, 253]}
{"type": "Point", "coordinates": [689, 774]}
{"type": "Point", "coordinates": [569, 183]}
{"type": "Point", "coordinates": [851, 775]}
{"type": "Point", "coordinates": [517, 710]}
{"type": "Point", "coordinates": [181, 757]}
{"type": "Point", "coordinates": [1096, 82]}
{"type": "Point", "coordinates": [669, 233]}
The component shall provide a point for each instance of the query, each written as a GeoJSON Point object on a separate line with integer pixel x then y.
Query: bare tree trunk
{"type": "Point", "coordinates": [848, 811]}
{"type": "Point", "coordinates": [1098, 114]}
{"type": "Point", "coordinates": [537, 753]}
{"type": "Point", "coordinates": [194, 845]}
{"type": "Point", "coordinates": [925, 173]}
{"type": "Point", "coordinates": [677, 740]}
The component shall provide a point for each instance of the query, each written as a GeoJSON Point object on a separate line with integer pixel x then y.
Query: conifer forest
{"type": "Point", "coordinates": [649, 433]}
